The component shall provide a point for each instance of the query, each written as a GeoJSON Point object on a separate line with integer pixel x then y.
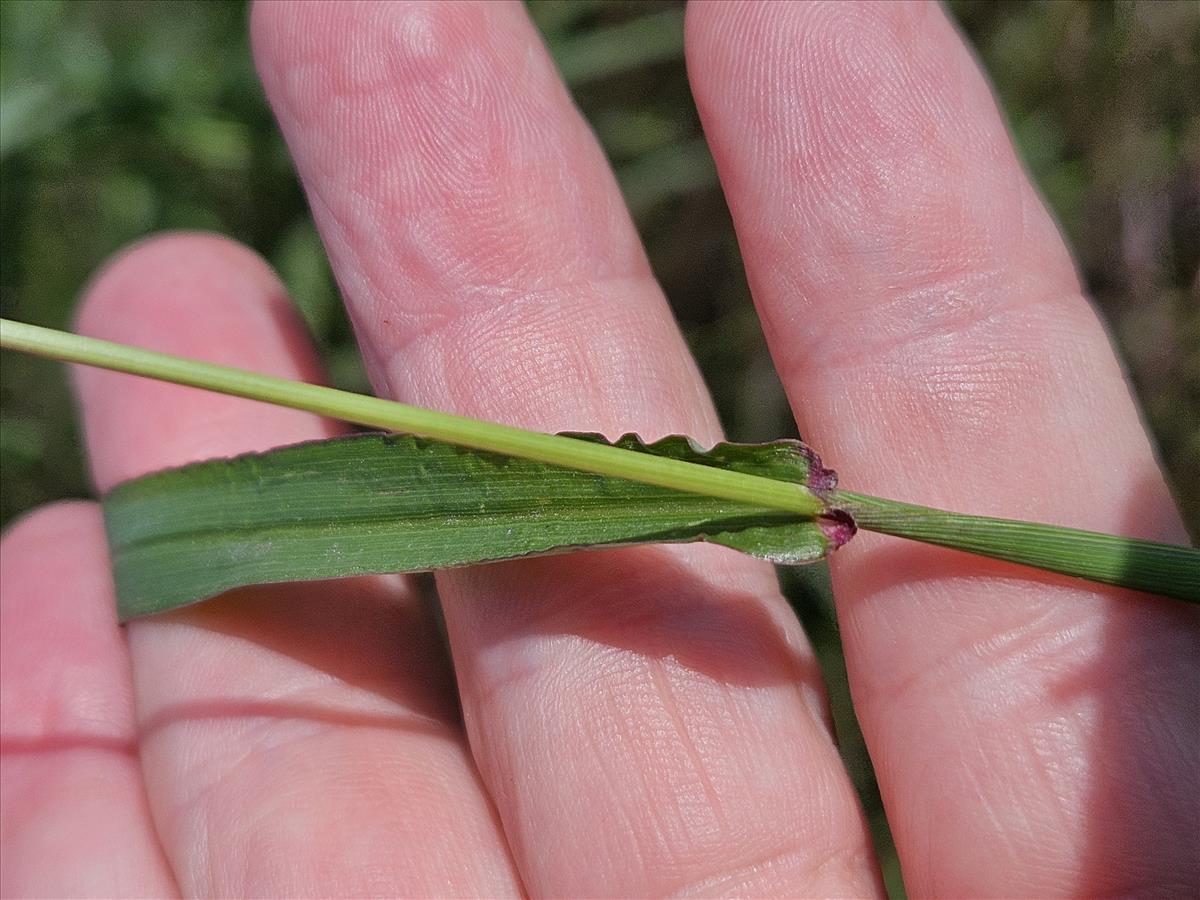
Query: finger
{"type": "Point", "coordinates": [648, 705]}
{"type": "Point", "coordinates": [298, 739]}
{"type": "Point", "coordinates": [928, 325]}
{"type": "Point", "coordinates": [74, 821]}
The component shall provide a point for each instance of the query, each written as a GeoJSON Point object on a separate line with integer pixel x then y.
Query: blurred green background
{"type": "Point", "coordinates": [119, 119]}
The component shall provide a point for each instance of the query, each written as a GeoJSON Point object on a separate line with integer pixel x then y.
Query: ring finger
{"type": "Point", "coordinates": [299, 739]}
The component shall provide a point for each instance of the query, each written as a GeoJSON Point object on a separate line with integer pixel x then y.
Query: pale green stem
{"type": "Point", "coordinates": [548, 448]}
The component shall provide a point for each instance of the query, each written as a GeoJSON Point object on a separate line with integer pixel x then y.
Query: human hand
{"type": "Point", "coordinates": [637, 721]}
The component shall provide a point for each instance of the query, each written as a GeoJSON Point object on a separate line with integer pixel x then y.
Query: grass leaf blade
{"type": "Point", "coordinates": [398, 503]}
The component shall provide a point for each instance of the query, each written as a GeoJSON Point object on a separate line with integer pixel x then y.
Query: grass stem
{"type": "Point", "coordinates": [1125, 562]}
{"type": "Point", "coordinates": [388, 414]}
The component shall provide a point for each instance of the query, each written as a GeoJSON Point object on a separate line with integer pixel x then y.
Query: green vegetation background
{"type": "Point", "coordinates": [120, 119]}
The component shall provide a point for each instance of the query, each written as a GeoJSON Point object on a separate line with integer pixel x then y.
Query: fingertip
{"type": "Point", "coordinates": [61, 541]}
{"type": "Point", "coordinates": [61, 513]}
{"type": "Point", "coordinates": [870, 127]}
{"type": "Point", "coordinates": [26, 540]}
{"type": "Point", "coordinates": [447, 165]}
{"type": "Point", "coordinates": [171, 272]}
{"type": "Point", "coordinates": [198, 296]}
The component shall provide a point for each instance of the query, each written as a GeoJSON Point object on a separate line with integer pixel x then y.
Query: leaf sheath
{"type": "Point", "coordinates": [1108, 559]}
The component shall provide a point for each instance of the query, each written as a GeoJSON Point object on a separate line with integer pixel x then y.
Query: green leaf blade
{"type": "Point", "coordinates": [397, 503]}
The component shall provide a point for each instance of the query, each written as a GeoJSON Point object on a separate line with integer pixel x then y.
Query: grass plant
{"type": "Point", "coordinates": [583, 492]}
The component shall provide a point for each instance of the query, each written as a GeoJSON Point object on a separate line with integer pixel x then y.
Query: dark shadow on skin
{"type": "Point", "coordinates": [905, 562]}
{"type": "Point", "coordinates": [1143, 837]}
{"type": "Point", "coordinates": [373, 634]}
{"type": "Point", "coordinates": [642, 599]}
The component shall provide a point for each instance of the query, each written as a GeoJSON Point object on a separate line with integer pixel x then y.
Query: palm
{"type": "Point", "coordinates": [639, 721]}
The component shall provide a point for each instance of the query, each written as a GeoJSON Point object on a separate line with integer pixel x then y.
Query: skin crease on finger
{"type": "Point", "coordinates": [649, 705]}
{"type": "Point", "coordinates": [1031, 735]}
{"type": "Point", "coordinates": [71, 777]}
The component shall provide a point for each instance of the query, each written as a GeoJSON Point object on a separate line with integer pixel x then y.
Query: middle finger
{"type": "Point", "coordinates": [296, 739]}
{"type": "Point", "coordinates": [658, 707]}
